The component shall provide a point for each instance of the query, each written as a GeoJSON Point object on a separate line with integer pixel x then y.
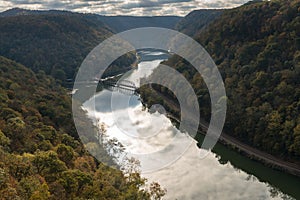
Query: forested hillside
{"type": "Point", "coordinates": [22, 11]}
{"type": "Point", "coordinates": [54, 42]}
{"type": "Point", "coordinates": [257, 49]}
{"type": "Point", "coordinates": [58, 41]}
{"type": "Point", "coordinates": [197, 20]}
{"type": "Point", "coordinates": [40, 157]}
{"type": "Point", "coordinates": [116, 23]}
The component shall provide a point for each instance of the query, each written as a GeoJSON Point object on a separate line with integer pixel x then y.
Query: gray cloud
{"type": "Point", "coordinates": [151, 3]}
{"type": "Point", "coordinates": [22, 2]}
{"type": "Point", "coordinates": [223, 4]}
{"type": "Point", "coordinates": [122, 7]}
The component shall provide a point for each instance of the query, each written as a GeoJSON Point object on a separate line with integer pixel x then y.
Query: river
{"type": "Point", "coordinates": [222, 174]}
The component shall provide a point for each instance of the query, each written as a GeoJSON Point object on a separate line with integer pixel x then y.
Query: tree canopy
{"type": "Point", "coordinates": [40, 154]}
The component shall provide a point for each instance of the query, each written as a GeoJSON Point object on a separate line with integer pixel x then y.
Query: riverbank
{"type": "Point", "coordinates": [227, 140]}
{"type": "Point", "coordinates": [222, 174]}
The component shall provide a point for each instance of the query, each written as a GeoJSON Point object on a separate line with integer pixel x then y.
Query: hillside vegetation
{"type": "Point", "coordinates": [257, 50]}
{"type": "Point", "coordinates": [54, 42]}
{"type": "Point", "coordinates": [197, 20]}
{"type": "Point", "coordinates": [115, 23]}
{"type": "Point", "coordinates": [57, 42]}
{"type": "Point", "coordinates": [40, 157]}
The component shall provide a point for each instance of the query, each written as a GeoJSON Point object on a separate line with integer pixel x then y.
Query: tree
{"type": "Point", "coordinates": [4, 141]}
{"type": "Point", "coordinates": [66, 154]}
{"type": "Point", "coordinates": [74, 182]}
{"type": "Point", "coordinates": [4, 177]}
{"type": "Point", "coordinates": [34, 187]}
{"type": "Point", "coordinates": [156, 191]}
{"type": "Point", "coordinates": [48, 163]}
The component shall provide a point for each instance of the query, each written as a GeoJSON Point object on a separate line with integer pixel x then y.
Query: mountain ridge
{"type": "Point", "coordinates": [58, 41]}
{"type": "Point", "coordinates": [118, 23]}
{"type": "Point", "coordinates": [56, 44]}
{"type": "Point", "coordinates": [197, 20]}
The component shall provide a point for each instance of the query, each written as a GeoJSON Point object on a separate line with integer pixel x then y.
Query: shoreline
{"type": "Point", "coordinates": [243, 149]}
{"type": "Point", "coordinates": [234, 144]}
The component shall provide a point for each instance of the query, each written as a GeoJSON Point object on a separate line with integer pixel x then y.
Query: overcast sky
{"type": "Point", "coordinates": [122, 7]}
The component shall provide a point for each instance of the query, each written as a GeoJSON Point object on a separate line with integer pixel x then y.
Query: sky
{"type": "Point", "coordinates": [122, 7]}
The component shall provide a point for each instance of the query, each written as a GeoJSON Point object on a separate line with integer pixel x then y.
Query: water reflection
{"type": "Point", "coordinates": [189, 177]}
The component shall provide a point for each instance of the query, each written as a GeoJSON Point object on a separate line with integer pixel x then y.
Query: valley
{"type": "Point", "coordinates": [104, 149]}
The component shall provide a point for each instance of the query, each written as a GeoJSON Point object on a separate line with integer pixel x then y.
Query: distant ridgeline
{"type": "Point", "coordinates": [123, 23]}
{"type": "Point", "coordinates": [197, 20]}
{"type": "Point", "coordinates": [58, 41]}
{"type": "Point", "coordinates": [54, 43]}
{"type": "Point", "coordinates": [257, 49]}
{"type": "Point", "coordinates": [116, 23]}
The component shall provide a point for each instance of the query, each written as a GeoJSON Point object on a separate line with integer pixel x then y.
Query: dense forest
{"type": "Point", "coordinates": [197, 20]}
{"type": "Point", "coordinates": [257, 49]}
{"type": "Point", "coordinates": [115, 23]}
{"type": "Point", "coordinates": [21, 12]}
{"type": "Point", "coordinates": [40, 154]}
{"type": "Point", "coordinates": [55, 42]}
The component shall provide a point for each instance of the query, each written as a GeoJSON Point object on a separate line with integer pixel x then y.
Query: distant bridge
{"type": "Point", "coordinates": [123, 86]}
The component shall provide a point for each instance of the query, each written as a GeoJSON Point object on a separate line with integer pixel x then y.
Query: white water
{"type": "Point", "coordinates": [186, 178]}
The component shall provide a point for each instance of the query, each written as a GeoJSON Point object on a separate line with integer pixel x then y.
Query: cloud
{"type": "Point", "coordinates": [222, 3]}
{"type": "Point", "coordinates": [151, 3]}
{"type": "Point", "coordinates": [122, 7]}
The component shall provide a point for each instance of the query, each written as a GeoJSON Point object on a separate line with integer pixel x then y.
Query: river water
{"type": "Point", "coordinates": [222, 174]}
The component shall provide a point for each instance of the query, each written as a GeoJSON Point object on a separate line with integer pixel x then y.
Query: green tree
{"type": "Point", "coordinates": [47, 163]}
{"type": "Point", "coordinates": [66, 154]}
{"type": "Point", "coordinates": [4, 141]}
